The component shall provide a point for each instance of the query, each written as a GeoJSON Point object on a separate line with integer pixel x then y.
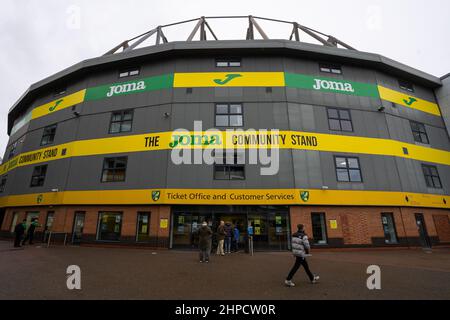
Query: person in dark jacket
{"type": "Point", "coordinates": [204, 242]}
{"type": "Point", "coordinates": [228, 236]}
{"type": "Point", "coordinates": [30, 232]}
{"type": "Point", "coordinates": [19, 230]}
{"type": "Point", "coordinates": [220, 238]}
{"type": "Point", "coordinates": [300, 249]}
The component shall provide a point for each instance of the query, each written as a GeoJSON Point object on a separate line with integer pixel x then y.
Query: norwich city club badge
{"type": "Point", "coordinates": [304, 195]}
{"type": "Point", "coordinates": [155, 195]}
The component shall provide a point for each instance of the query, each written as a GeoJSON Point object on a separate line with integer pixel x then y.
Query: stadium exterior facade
{"type": "Point", "coordinates": [364, 157]}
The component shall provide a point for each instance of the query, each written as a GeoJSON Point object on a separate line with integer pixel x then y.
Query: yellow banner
{"type": "Point", "coordinates": [59, 104]}
{"type": "Point", "coordinates": [238, 139]}
{"type": "Point", "coordinates": [229, 79]}
{"type": "Point", "coordinates": [229, 197]}
{"type": "Point", "coordinates": [408, 101]}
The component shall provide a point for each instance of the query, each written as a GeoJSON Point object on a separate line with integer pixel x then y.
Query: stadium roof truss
{"type": "Point", "coordinates": [202, 28]}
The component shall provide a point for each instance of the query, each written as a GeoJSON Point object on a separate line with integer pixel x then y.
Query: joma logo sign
{"type": "Point", "coordinates": [127, 87]}
{"type": "Point", "coordinates": [333, 85]}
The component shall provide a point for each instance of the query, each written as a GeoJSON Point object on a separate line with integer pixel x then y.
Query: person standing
{"type": "Point", "coordinates": [236, 235]}
{"type": "Point", "coordinates": [19, 230]}
{"type": "Point", "coordinates": [228, 236]}
{"type": "Point", "coordinates": [204, 242]}
{"type": "Point", "coordinates": [220, 238]}
{"type": "Point", "coordinates": [30, 232]}
{"type": "Point", "coordinates": [300, 249]}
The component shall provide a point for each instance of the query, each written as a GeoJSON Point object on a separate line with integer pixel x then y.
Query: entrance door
{"type": "Point", "coordinates": [423, 234]}
{"type": "Point", "coordinates": [185, 226]}
{"type": "Point", "coordinates": [239, 220]}
{"type": "Point", "coordinates": [78, 225]}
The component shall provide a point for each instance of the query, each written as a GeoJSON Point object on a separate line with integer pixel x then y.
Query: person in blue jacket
{"type": "Point", "coordinates": [236, 235]}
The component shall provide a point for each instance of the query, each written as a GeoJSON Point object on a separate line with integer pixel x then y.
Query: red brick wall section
{"type": "Point", "coordinates": [442, 224]}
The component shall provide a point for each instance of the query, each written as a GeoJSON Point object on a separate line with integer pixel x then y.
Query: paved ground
{"type": "Point", "coordinates": [113, 273]}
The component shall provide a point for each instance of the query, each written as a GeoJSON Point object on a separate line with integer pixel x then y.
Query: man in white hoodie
{"type": "Point", "coordinates": [300, 249]}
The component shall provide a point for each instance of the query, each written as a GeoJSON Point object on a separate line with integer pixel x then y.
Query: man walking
{"type": "Point", "coordinates": [220, 238]}
{"type": "Point", "coordinates": [19, 230]}
{"type": "Point", "coordinates": [30, 232]}
{"type": "Point", "coordinates": [300, 249]}
{"type": "Point", "coordinates": [228, 236]}
{"type": "Point", "coordinates": [204, 242]}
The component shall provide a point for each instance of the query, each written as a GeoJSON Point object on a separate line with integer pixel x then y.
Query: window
{"type": "Point", "coordinates": [390, 235]}
{"type": "Point", "coordinates": [49, 135]}
{"type": "Point", "coordinates": [319, 228]}
{"type": "Point", "coordinates": [405, 85]}
{"type": "Point", "coordinates": [38, 176]}
{"type": "Point", "coordinates": [121, 121]}
{"type": "Point", "coordinates": [419, 132]}
{"type": "Point", "coordinates": [114, 169]}
{"type": "Point", "coordinates": [109, 226]}
{"type": "Point", "coordinates": [339, 119]}
{"type": "Point", "coordinates": [3, 183]}
{"type": "Point", "coordinates": [143, 227]}
{"type": "Point", "coordinates": [348, 169]}
{"type": "Point", "coordinates": [328, 68]}
{"type": "Point", "coordinates": [129, 73]}
{"type": "Point", "coordinates": [49, 221]}
{"type": "Point", "coordinates": [229, 115]}
{"type": "Point", "coordinates": [228, 63]}
{"type": "Point", "coordinates": [431, 176]}
{"type": "Point", "coordinates": [12, 151]}
{"type": "Point", "coordinates": [229, 165]}
{"type": "Point", "coordinates": [59, 91]}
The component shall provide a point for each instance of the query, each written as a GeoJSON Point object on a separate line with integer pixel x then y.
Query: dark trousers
{"type": "Point", "coordinates": [17, 239]}
{"type": "Point", "coordinates": [30, 236]}
{"type": "Point", "coordinates": [299, 261]}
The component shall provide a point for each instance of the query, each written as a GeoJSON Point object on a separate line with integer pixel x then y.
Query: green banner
{"type": "Point", "coordinates": [331, 85]}
{"type": "Point", "coordinates": [130, 87]}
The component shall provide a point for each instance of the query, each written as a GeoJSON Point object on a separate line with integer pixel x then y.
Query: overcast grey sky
{"type": "Point", "coordinates": [42, 37]}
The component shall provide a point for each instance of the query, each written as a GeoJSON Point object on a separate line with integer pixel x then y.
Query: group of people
{"type": "Point", "coordinates": [226, 236]}
{"type": "Point", "coordinates": [20, 237]}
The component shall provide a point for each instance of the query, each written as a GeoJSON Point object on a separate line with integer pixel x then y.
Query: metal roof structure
{"type": "Point", "coordinates": [202, 27]}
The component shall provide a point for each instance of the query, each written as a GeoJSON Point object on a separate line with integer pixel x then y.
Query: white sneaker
{"type": "Point", "coordinates": [289, 283]}
{"type": "Point", "coordinates": [316, 279]}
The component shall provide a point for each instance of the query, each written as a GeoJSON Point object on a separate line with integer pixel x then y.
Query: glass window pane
{"type": "Point", "coordinates": [333, 113]}
{"type": "Point", "coordinates": [127, 115]}
{"type": "Point", "coordinates": [429, 181]}
{"type": "Point", "coordinates": [324, 69]}
{"type": "Point", "coordinates": [126, 126]}
{"type": "Point", "coordinates": [341, 162]}
{"type": "Point", "coordinates": [236, 121]}
{"type": "Point", "coordinates": [346, 125]}
{"type": "Point", "coordinates": [222, 121]}
{"type": "Point", "coordinates": [123, 74]}
{"type": "Point", "coordinates": [433, 171]}
{"type": "Point", "coordinates": [417, 136]}
{"type": "Point", "coordinates": [110, 226]}
{"type": "Point", "coordinates": [221, 172]}
{"type": "Point", "coordinates": [423, 138]}
{"type": "Point", "coordinates": [353, 163]}
{"type": "Point", "coordinates": [336, 71]}
{"type": "Point", "coordinates": [115, 127]}
{"type": "Point", "coordinates": [116, 117]}
{"type": "Point", "coordinates": [355, 175]}
{"type": "Point", "coordinates": [344, 114]}
{"type": "Point", "coordinates": [334, 124]}
{"type": "Point", "coordinates": [237, 173]}
{"type": "Point", "coordinates": [235, 63]}
{"type": "Point", "coordinates": [121, 162]}
{"type": "Point", "coordinates": [236, 109]}
{"type": "Point", "coordinates": [134, 72]}
{"type": "Point", "coordinates": [436, 182]}
{"type": "Point", "coordinates": [222, 109]}
{"type": "Point", "coordinates": [222, 64]}
{"type": "Point", "coordinates": [342, 175]}
{"type": "Point", "coordinates": [119, 175]}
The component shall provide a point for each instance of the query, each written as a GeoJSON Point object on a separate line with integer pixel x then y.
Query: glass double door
{"type": "Point", "coordinates": [270, 230]}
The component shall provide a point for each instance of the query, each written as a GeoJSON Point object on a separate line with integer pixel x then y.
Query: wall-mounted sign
{"type": "Point", "coordinates": [163, 223]}
{"type": "Point", "coordinates": [333, 224]}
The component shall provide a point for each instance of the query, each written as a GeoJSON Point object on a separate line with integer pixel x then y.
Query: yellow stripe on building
{"type": "Point", "coordinates": [240, 140]}
{"type": "Point", "coordinates": [229, 79]}
{"type": "Point", "coordinates": [408, 101]}
{"type": "Point", "coordinates": [229, 196]}
{"type": "Point", "coordinates": [59, 104]}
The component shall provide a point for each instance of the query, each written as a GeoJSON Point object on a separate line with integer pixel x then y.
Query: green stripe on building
{"type": "Point", "coordinates": [331, 85]}
{"type": "Point", "coordinates": [130, 87]}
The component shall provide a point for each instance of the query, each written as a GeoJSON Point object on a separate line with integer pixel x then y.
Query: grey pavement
{"type": "Point", "coordinates": [37, 272]}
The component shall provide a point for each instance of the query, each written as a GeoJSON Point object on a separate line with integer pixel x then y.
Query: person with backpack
{"type": "Point", "coordinates": [19, 230]}
{"type": "Point", "coordinates": [228, 236]}
{"type": "Point", "coordinates": [300, 249]}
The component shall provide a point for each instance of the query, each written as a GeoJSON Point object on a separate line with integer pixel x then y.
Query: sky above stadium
{"type": "Point", "coordinates": [40, 38]}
